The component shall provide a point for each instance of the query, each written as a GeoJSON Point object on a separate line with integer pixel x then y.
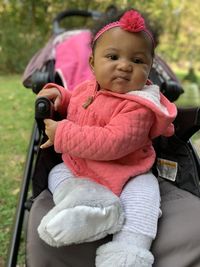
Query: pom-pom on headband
{"type": "Point", "coordinates": [131, 21]}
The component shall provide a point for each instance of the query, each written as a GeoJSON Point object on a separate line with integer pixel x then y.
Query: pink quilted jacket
{"type": "Point", "coordinates": [111, 139]}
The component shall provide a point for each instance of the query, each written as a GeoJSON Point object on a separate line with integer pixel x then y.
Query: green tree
{"type": "Point", "coordinates": [26, 25]}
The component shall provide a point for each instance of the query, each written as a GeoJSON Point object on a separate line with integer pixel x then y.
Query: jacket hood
{"type": "Point", "coordinates": [151, 97]}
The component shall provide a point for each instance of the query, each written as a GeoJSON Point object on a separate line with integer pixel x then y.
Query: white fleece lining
{"type": "Point", "coordinates": [150, 93]}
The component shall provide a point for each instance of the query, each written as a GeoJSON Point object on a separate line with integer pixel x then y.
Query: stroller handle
{"type": "Point", "coordinates": [187, 122]}
{"type": "Point", "coordinates": [43, 110]}
{"type": "Point", "coordinates": [95, 15]}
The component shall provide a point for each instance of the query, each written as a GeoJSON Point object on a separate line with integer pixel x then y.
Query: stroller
{"type": "Point", "coordinates": [177, 167]}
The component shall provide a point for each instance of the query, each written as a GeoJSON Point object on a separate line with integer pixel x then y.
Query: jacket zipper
{"type": "Point", "coordinates": [90, 99]}
{"type": "Point", "coordinates": [88, 102]}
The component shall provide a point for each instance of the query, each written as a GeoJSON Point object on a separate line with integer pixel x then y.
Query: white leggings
{"type": "Point", "coordinates": [140, 199]}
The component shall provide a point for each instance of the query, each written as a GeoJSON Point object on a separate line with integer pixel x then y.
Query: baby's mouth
{"type": "Point", "coordinates": [121, 78]}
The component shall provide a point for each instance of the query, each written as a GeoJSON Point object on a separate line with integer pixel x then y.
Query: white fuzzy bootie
{"type": "Point", "coordinates": [122, 254]}
{"type": "Point", "coordinates": [85, 211]}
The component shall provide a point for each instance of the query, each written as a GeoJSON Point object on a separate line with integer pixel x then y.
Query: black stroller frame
{"type": "Point", "coordinates": [186, 124]}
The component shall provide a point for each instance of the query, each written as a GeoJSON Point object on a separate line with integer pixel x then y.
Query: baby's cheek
{"type": "Point", "coordinates": [146, 71]}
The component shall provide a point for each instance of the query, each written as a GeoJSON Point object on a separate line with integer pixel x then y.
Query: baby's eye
{"type": "Point", "coordinates": [112, 57]}
{"type": "Point", "coordinates": [138, 60]}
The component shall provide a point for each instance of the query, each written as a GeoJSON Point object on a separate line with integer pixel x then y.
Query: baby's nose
{"type": "Point", "coordinates": [125, 65]}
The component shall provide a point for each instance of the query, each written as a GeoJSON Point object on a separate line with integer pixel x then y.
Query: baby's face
{"type": "Point", "coordinates": [122, 60]}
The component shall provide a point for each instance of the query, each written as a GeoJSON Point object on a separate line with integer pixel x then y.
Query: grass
{"type": "Point", "coordinates": [16, 109]}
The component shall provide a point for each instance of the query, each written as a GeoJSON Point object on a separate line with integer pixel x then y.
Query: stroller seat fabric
{"type": "Point", "coordinates": [177, 242]}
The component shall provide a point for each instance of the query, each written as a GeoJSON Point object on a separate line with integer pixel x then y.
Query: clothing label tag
{"type": "Point", "coordinates": [167, 169]}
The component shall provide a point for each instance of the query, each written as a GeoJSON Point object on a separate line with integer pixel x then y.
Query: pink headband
{"type": "Point", "coordinates": [131, 21]}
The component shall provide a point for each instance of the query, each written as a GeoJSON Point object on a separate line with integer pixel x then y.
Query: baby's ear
{"type": "Point", "coordinates": [91, 62]}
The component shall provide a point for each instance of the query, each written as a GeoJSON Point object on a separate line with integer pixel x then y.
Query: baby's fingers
{"type": "Point", "coordinates": [47, 144]}
{"type": "Point", "coordinates": [57, 103]}
{"type": "Point", "coordinates": [47, 122]}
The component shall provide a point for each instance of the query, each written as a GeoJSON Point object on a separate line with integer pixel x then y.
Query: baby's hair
{"type": "Point", "coordinates": [106, 19]}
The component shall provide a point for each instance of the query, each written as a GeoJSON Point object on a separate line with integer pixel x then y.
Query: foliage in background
{"type": "Point", "coordinates": [26, 26]}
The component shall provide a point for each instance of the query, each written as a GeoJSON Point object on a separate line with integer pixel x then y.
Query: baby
{"type": "Point", "coordinates": [106, 143]}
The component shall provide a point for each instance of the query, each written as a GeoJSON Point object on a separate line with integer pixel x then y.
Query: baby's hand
{"type": "Point", "coordinates": [52, 94]}
{"type": "Point", "coordinates": [50, 130]}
